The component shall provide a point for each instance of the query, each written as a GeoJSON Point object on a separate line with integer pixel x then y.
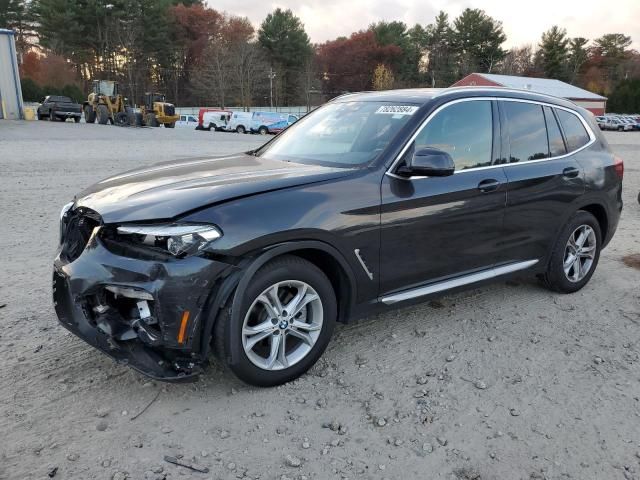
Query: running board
{"type": "Point", "coordinates": [456, 282]}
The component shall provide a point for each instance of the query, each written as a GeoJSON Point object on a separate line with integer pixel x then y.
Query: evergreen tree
{"type": "Point", "coordinates": [553, 55]}
{"type": "Point", "coordinates": [577, 57]}
{"type": "Point", "coordinates": [477, 42]}
{"type": "Point", "coordinates": [287, 44]}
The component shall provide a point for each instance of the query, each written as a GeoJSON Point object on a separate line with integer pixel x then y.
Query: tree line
{"type": "Point", "coordinates": [197, 55]}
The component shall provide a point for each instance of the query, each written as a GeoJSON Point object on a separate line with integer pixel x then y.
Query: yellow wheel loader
{"type": "Point", "coordinates": [105, 104]}
{"type": "Point", "coordinates": [156, 111]}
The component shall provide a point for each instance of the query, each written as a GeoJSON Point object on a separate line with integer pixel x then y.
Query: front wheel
{"type": "Point", "coordinates": [575, 254]}
{"type": "Point", "coordinates": [263, 130]}
{"type": "Point", "coordinates": [285, 323]}
{"type": "Point", "coordinates": [240, 129]}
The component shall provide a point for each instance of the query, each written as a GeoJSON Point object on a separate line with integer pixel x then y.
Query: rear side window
{"type": "Point", "coordinates": [464, 130]}
{"type": "Point", "coordinates": [574, 131]}
{"type": "Point", "coordinates": [527, 131]}
{"type": "Point", "coordinates": [556, 143]}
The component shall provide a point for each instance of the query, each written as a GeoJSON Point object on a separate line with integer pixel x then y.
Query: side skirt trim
{"type": "Point", "coordinates": [456, 282]}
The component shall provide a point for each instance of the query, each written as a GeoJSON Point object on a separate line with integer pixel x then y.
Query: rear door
{"type": "Point", "coordinates": [544, 178]}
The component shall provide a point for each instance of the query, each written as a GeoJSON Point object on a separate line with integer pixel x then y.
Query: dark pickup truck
{"type": "Point", "coordinates": [55, 107]}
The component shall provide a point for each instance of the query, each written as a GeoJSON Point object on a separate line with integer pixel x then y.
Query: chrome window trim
{"type": "Point", "coordinates": [592, 136]}
{"type": "Point", "coordinates": [488, 274]}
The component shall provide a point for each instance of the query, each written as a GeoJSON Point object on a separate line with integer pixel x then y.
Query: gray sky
{"type": "Point", "coordinates": [523, 22]}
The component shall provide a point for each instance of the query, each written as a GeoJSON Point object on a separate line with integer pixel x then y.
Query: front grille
{"type": "Point", "coordinates": [169, 110]}
{"type": "Point", "coordinates": [77, 227]}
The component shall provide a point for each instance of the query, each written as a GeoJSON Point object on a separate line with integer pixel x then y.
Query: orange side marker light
{"type": "Point", "coordinates": [183, 326]}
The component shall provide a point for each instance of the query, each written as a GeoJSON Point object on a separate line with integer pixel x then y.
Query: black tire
{"type": "Point", "coordinates": [121, 119]}
{"type": "Point", "coordinates": [102, 114]}
{"type": "Point", "coordinates": [278, 270]}
{"type": "Point", "coordinates": [241, 129]}
{"type": "Point", "coordinates": [89, 114]}
{"type": "Point", "coordinates": [151, 120]}
{"type": "Point", "coordinates": [137, 119]}
{"type": "Point", "coordinates": [555, 278]}
{"type": "Point", "coordinates": [263, 130]}
{"type": "Point", "coordinates": [76, 119]}
{"type": "Point", "coordinates": [169, 125]}
{"type": "Point", "coordinates": [212, 126]}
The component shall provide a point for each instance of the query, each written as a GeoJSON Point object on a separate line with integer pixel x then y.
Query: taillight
{"type": "Point", "coordinates": [618, 166]}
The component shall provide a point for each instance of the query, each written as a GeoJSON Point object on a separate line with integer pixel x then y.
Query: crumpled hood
{"type": "Point", "coordinates": [167, 190]}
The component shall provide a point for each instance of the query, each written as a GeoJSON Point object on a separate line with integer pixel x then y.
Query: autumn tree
{"type": "Point", "coordinates": [382, 78]}
{"type": "Point", "coordinates": [346, 64]}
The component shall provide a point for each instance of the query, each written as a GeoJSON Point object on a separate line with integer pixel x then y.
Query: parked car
{"type": "Point", "coordinates": [271, 122]}
{"type": "Point", "coordinates": [240, 122]}
{"type": "Point", "coordinates": [615, 123]}
{"type": "Point", "coordinates": [213, 118]}
{"type": "Point", "coordinates": [187, 121]}
{"type": "Point", "coordinates": [371, 202]}
{"type": "Point", "coordinates": [59, 107]}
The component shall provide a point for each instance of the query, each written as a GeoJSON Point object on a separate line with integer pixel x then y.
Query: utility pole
{"type": "Point", "coordinates": [272, 75]}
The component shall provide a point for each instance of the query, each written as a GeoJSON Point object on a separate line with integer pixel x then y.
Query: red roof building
{"type": "Point", "coordinates": [596, 104]}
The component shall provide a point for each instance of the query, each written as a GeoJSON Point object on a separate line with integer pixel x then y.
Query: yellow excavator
{"type": "Point", "coordinates": [157, 111]}
{"type": "Point", "coordinates": [105, 104]}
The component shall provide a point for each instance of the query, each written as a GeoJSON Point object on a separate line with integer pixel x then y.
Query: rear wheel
{"type": "Point", "coordinates": [285, 323]}
{"type": "Point", "coordinates": [575, 254]}
{"type": "Point", "coordinates": [263, 130]}
{"type": "Point", "coordinates": [103, 114]}
{"type": "Point", "coordinates": [89, 114]}
{"type": "Point", "coordinates": [240, 129]}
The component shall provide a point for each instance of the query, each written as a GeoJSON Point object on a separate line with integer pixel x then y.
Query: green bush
{"type": "Point", "coordinates": [31, 91]}
{"type": "Point", "coordinates": [74, 92]}
{"type": "Point", "coordinates": [625, 98]}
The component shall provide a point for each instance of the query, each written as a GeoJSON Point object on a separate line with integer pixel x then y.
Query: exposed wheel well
{"type": "Point", "coordinates": [334, 272]}
{"type": "Point", "coordinates": [600, 213]}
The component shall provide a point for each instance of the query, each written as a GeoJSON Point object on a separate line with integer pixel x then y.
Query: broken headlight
{"type": "Point", "coordinates": [176, 239]}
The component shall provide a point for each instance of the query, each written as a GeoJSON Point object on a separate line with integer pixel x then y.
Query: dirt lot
{"type": "Point", "coordinates": [503, 382]}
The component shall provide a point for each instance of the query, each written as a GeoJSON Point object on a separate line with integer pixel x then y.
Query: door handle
{"type": "Point", "coordinates": [570, 172]}
{"type": "Point", "coordinates": [488, 185]}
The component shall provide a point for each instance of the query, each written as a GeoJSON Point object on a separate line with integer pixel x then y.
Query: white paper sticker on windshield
{"type": "Point", "coordinates": [397, 110]}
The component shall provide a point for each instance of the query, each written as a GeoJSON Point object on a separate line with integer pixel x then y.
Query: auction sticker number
{"type": "Point", "coordinates": [397, 110]}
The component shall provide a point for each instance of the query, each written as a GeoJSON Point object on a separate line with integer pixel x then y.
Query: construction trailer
{"type": "Point", "coordinates": [11, 104]}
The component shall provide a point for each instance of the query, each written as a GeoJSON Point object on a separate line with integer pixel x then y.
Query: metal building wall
{"type": "Point", "coordinates": [11, 106]}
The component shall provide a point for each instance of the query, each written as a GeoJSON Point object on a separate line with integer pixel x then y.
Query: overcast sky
{"type": "Point", "coordinates": [523, 21]}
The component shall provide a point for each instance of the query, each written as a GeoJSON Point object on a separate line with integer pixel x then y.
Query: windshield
{"type": "Point", "coordinates": [341, 134]}
{"type": "Point", "coordinates": [59, 98]}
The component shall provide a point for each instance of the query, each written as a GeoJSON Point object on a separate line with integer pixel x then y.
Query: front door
{"type": "Point", "coordinates": [438, 228]}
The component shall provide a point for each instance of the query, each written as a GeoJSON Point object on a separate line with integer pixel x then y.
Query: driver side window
{"type": "Point", "coordinates": [464, 130]}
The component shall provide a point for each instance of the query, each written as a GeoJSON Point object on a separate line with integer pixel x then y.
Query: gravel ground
{"type": "Point", "coordinates": [509, 381]}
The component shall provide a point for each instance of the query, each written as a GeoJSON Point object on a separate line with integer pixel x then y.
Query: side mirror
{"type": "Point", "coordinates": [429, 162]}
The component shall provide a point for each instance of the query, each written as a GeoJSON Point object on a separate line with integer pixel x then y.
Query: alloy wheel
{"type": "Point", "coordinates": [579, 253]}
{"type": "Point", "coordinates": [282, 325]}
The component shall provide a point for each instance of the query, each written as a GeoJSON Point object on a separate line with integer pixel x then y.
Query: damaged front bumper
{"type": "Point", "coordinates": [142, 311]}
